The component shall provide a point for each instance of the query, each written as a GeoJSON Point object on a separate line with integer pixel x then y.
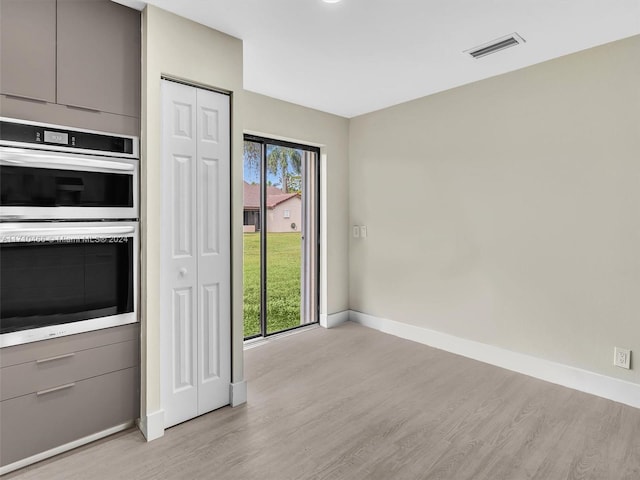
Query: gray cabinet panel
{"type": "Point", "coordinates": [13, 107]}
{"type": "Point", "coordinates": [28, 49]}
{"type": "Point", "coordinates": [34, 423]}
{"type": "Point", "coordinates": [49, 372]}
{"type": "Point", "coordinates": [30, 352]}
{"type": "Point", "coordinates": [98, 56]}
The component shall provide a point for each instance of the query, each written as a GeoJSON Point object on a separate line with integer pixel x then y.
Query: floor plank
{"type": "Point", "coordinates": [353, 403]}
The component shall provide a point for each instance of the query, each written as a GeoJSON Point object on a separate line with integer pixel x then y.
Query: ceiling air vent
{"type": "Point", "coordinates": [495, 45]}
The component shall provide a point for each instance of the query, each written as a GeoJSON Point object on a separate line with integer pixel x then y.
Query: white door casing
{"type": "Point", "coordinates": [195, 252]}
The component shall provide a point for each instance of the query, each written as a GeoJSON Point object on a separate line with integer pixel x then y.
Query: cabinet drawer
{"type": "Point", "coordinates": [30, 352]}
{"type": "Point", "coordinates": [49, 372]}
{"type": "Point", "coordinates": [35, 423]}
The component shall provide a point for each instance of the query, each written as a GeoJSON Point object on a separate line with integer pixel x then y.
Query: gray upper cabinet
{"type": "Point", "coordinates": [98, 52]}
{"type": "Point", "coordinates": [28, 49]}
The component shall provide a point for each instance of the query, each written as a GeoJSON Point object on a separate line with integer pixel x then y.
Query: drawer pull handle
{"type": "Point", "coordinates": [30, 99]}
{"type": "Point", "coordinates": [55, 389]}
{"type": "Point", "coordinates": [59, 357]}
{"type": "Point", "coordinates": [78, 107]}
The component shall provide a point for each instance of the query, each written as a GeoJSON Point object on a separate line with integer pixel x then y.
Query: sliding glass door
{"type": "Point", "coordinates": [280, 236]}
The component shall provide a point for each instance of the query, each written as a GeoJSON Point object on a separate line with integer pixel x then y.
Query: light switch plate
{"type": "Point", "coordinates": [363, 232]}
{"type": "Point", "coordinates": [356, 231]}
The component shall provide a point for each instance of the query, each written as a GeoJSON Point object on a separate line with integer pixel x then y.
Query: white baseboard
{"type": "Point", "coordinates": [333, 319]}
{"type": "Point", "coordinates": [238, 393]}
{"type": "Point", "coordinates": [64, 448]}
{"type": "Point", "coordinates": [565, 375]}
{"type": "Point", "coordinates": [152, 425]}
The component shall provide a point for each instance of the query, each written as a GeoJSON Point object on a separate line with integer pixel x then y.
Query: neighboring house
{"type": "Point", "coordinates": [284, 210]}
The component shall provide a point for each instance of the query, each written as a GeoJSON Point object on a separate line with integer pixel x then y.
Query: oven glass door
{"type": "Point", "coordinates": [49, 185]}
{"type": "Point", "coordinates": [48, 283]}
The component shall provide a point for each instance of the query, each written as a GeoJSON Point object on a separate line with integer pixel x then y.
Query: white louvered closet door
{"type": "Point", "coordinates": [195, 252]}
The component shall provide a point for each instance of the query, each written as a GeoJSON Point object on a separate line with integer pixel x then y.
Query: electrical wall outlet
{"type": "Point", "coordinates": [622, 357]}
{"type": "Point", "coordinates": [356, 231]}
{"type": "Point", "coordinates": [363, 231]}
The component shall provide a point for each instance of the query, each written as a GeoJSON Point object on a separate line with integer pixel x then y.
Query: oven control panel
{"type": "Point", "coordinates": [39, 135]}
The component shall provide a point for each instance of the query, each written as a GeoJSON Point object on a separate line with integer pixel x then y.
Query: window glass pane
{"type": "Point", "coordinates": [284, 238]}
{"type": "Point", "coordinates": [251, 267]}
{"type": "Point", "coordinates": [280, 238]}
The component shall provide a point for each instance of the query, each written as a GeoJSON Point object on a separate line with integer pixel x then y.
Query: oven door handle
{"type": "Point", "coordinates": [67, 231]}
{"type": "Point", "coordinates": [44, 161]}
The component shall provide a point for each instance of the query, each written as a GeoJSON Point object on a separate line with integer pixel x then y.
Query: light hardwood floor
{"type": "Point", "coordinates": [353, 403]}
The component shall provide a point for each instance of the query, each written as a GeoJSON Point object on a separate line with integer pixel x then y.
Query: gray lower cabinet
{"type": "Point", "coordinates": [60, 391]}
{"type": "Point", "coordinates": [50, 372]}
{"type": "Point", "coordinates": [98, 54]}
{"type": "Point", "coordinates": [41, 421]}
{"type": "Point", "coordinates": [28, 49]}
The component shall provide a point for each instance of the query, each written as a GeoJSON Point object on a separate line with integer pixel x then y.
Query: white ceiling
{"type": "Point", "coordinates": [358, 56]}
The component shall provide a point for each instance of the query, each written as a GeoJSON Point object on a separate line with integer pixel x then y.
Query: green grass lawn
{"type": "Point", "coordinates": [283, 282]}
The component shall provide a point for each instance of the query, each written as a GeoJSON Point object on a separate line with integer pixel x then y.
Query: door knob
{"type": "Point", "coordinates": [182, 272]}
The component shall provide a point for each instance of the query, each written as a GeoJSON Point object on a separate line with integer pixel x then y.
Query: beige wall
{"type": "Point", "coordinates": [278, 223]}
{"type": "Point", "coordinates": [508, 211]}
{"type": "Point", "coordinates": [180, 48]}
{"type": "Point", "coordinates": [277, 119]}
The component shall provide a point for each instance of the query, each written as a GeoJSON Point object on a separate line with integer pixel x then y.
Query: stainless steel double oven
{"type": "Point", "coordinates": [68, 231]}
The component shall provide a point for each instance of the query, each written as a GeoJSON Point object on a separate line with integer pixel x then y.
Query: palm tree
{"type": "Point", "coordinates": [252, 156]}
{"type": "Point", "coordinates": [285, 162]}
